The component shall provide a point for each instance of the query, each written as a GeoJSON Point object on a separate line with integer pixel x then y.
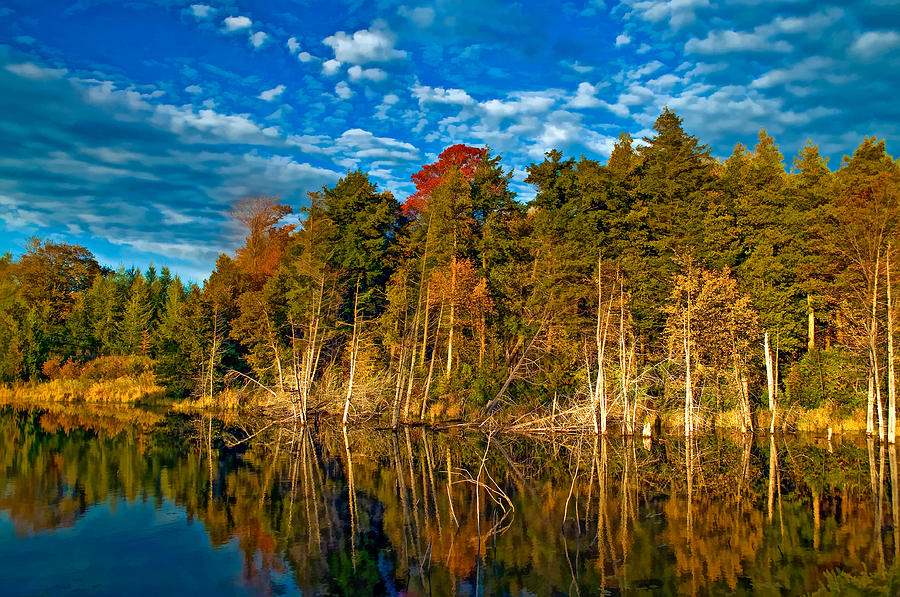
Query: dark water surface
{"type": "Point", "coordinates": [103, 502]}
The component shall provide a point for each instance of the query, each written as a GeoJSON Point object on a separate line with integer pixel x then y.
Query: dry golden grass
{"type": "Point", "coordinates": [120, 390]}
{"type": "Point", "coordinates": [107, 380]}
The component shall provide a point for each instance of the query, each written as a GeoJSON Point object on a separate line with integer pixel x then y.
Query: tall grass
{"type": "Point", "coordinates": [104, 380]}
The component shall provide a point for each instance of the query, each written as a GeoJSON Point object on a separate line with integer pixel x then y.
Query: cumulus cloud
{"type": "Point", "coordinates": [677, 13]}
{"type": "Point", "coordinates": [193, 89]}
{"type": "Point", "coordinates": [623, 39]}
{"type": "Point", "coordinates": [258, 39]}
{"type": "Point", "coordinates": [202, 11]}
{"type": "Point", "coordinates": [343, 91]}
{"type": "Point", "coordinates": [721, 42]}
{"type": "Point", "coordinates": [32, 71]}
{"type": "Point", "coordinates": [439, 95]}
{"type": "Point", "coordinates": [293, 45]}
{"type": "Point", "coordinates": [585, 97]}
{"type": "Point", "coordinates": [331, 67]}
{"type": "Point", "coordinates": [236, 23]}
{"type": "Point", "coordinates": [361, 144]}
{"type": "Point", "coordinates": [270, 94]}
{"type": "Point", "coordinates": [873, 44]}
{"type": "Point", "coordinates": [387, 102]}
{"type": "Point", "coordinates": [808, 69]}
{"type": "Point", "coordinates": [306, 57]}
{"type": "Point", "coordinates": [357, 73]}
{"type": "Point", "coordinates": [366, 45]}
{"type": "Point", "coordinates": [421, 16]}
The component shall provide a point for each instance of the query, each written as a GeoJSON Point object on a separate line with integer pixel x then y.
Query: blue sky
{"type": "Point", "coordinates": [131, 126]}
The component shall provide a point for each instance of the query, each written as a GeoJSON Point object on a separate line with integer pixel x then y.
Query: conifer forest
{"type": "Point", "coordinates": [664, 291]}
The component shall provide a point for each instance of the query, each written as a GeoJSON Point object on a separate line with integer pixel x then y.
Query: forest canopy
{"type": "Point", "coordinates": [661, 279]}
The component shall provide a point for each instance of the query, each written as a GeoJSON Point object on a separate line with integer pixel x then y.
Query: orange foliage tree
{"type": "Point", "coordinates": [266, 240]}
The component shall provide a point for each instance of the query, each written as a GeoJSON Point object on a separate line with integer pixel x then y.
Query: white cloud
{"type": "Point", "coordinates": [644, 70]}
{"type": "Point", "coordinates": [665, 81]}
{"type": "Point", "coordinates": [623, 39]}
{"type": "Point", "coordinates": [366, 45]}
{"type": "Point", "coordinates": [357, 73]}
{"type": "Point", "coordinates": [439, 95]}
{"type": "Point", "coordinates": [343, 91]}
{"type": "Point", "coordinates": [810, 24]}
{"type": "Point", "coordinates": [306, 57]}
{"type": "Point", "coordinates": [677, 12]}
{"type": "Point", "coordinates": [193, 89]}
{"type": "Point", "coordinates": [809, 69]}
{"type": "Point", "coordinates": [258, 39]}
{"type": "Point", "coordinates": [292, 45]}
{"type": "Point", "coordinates": [270, 94]}
{"type": "Point", "coordinates": [721, 42]}
{"type": "Point", "coordinates": [522, 103]}
{"type": "Point", "coordinates": [362, 144]}
{"type": "Point", "coordinates": [421, 16]}
{"type": "Point", "coordinates": [237, 23]}
{"type": "Point", "coordinates": [387, 102]}
{"type": "Point", "coordinates": [331, 67]}
{"type": "Point", "coordinates": [872, 44]}
{"type": "Point", "coordinates": [577, 66]}
{"type": "Point", "coordinates": [202, 11]}
{"type": "Point", "coordinates": [29, 70]}
{"type": "Point", "coordinates": [585, 97]}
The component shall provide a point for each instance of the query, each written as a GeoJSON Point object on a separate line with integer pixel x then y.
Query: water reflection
{"type": "Point", "coordinates": [331, 511]}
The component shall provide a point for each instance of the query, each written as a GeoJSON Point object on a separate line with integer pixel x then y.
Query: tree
{"type": "Point", "coordinates": [136, 316]}
{"type": "Point", "coordinates": [862, 222]}
{"type": "Point", "coordinates": [461, 157]}
{"type": "Point", "coordinates": [266, 240]}
{"type": "Point", "coordinates": [53, 274]}
{"type": "Point", "coordinates": [712, 324]}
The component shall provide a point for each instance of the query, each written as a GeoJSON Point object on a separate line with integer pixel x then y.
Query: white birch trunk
{"type": "Point", "coordinates": [354, 347]}
{"type": "Point", "coordinates": [770, 380]}
{"type": "Point", "coordinates": [688, 382]}
{"type": "Point", "coordinates": [892, 392]}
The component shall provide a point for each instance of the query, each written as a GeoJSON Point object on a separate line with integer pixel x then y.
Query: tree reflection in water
{"type": "Point", "coordinates": [362, 512]}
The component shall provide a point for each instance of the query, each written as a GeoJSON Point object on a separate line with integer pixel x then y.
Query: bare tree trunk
{"type": "Point", "coordinates": [452, 316]}
{"type": "Point", "coordinates": [295, 368]}
{"type": "Point", "coordinates": [274, 346]}
{"type": "Point", "coordinates": [870, 400]}
{"type": "Point", "coordinates": [873, 347]}
{"type": "Point", "coordinates": [599, 393]}
{"type": "Point", "coordinates": [601, 396]}
{"type": "Point", "coordinates": [770, 381]}
{"type": "Point", "coordinates": [434, 350]}
{"type": "Point", "coordinates": [427, 287]}
{"type": "Point", "coordinates": [354, 347]}
{"type": "Point", "coordinates": [688, 383]}
{"type": "Point", "coordinates": [746, 417]}
{"type": "Point", "coordinates": [213, 351]}
{"type": "Point", "coordinates": [892, 391]}
{"type": "Point", "coordinates": [514, 370]}
{"type": "Point", "coordinates": [811, 324]}
{"type": "Point", "coordinates": [623, 360]}
{"type": "Point", "coordinates": [425, 331]}
{"type": "Point", "coordinates": [398, 388]}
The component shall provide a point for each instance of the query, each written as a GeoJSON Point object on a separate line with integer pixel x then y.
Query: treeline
{"type": "Point", "coordinates": [664, 280]}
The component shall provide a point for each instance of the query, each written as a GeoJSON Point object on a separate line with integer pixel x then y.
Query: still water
{"type": "Point", "coordinates": [131, 502]}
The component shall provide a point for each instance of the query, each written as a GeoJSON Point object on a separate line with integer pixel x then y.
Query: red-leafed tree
{"type": "Point", "coordinates": [463, 157]}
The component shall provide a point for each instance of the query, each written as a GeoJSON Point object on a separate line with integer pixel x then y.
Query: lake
{"type": "Point", "coordinates": [108, 501]}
